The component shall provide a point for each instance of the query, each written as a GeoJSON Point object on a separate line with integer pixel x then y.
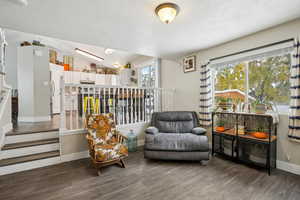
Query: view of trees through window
{"type": "Point", "coordinates": [148, 76]}
{"type": "Point", "coordinates": [268, 83]}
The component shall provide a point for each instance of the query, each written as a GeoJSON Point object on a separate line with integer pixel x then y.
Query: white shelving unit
{"type": "Point", "coordinates": [74, 77]}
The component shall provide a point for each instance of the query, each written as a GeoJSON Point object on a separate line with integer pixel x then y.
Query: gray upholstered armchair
{"type": "Point", "coordinates": [176, 136]}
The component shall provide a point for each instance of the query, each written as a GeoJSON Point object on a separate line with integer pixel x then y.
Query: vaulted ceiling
{"type": "Point", "coordinates": [131, 25]}
{"type": "Point", "coordinates": [68, 48]}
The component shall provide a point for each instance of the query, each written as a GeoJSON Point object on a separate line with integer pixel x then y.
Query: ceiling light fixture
{"type": "Point", "coordinates": [108, 51]}
{"type": "Point", "coordinates": [88, 54]}
{"type": "Point", "coordinates": [167, 12]}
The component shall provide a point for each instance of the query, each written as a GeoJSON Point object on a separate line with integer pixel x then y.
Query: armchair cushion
{"type": "Point", "coordinates": [110, 152]}
{"type": "Point", "coordinates": [176, 142]}
{"type": "Point", "coordinates": [199, 131]}
{"type": "Point", "coordinates": [152, 130]}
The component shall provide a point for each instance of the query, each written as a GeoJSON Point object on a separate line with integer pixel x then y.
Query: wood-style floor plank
{"type": "Point", "coordinates": [150, 180]}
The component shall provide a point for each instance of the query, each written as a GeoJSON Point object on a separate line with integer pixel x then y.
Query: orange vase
{"type": "Point", "coordinates": [66, 67]}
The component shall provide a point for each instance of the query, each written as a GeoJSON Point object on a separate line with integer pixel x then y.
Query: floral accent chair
{"type": "Point", "coordinates": [106, 144]}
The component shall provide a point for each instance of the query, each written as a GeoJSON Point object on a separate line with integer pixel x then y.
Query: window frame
{"type": "Point", "coordinates": [155, 63]}
{"type": "Point", "coordinates": [214, 73]}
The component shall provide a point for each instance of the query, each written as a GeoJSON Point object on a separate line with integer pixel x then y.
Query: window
{"type": "Point", "coordinates": [263, 81]}
{"type": "Point", "coordinates": [147, 76]}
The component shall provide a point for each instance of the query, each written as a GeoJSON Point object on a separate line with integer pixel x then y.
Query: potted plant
{"type": "Point", "coordinates": [220, 126]}
{"type": "Point", "coordinates": [260, 107]}
{"type": "Point", "coordinates": [224, 103]}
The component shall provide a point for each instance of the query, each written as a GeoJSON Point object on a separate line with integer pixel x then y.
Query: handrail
{"type": "Point", "coordinates": [113, 86]}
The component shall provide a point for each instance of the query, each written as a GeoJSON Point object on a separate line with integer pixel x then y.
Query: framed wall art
{"type": "Point", "coordinates": [189, 64]}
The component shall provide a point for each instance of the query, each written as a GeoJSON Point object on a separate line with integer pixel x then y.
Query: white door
{"type": "Point", "coordinates": [56, 73]}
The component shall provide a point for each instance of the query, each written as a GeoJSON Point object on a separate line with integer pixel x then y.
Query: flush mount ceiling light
{"type": "Point", "coordinates": [108, 51]}
{"type": "Point", "coordinates": [88, 54]}
{"type": "Point", "coordinates": [167, 12]}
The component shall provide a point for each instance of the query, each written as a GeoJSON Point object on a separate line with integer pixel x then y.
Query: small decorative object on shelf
{"type": "Point", "coordinates": [224, 104]}
{"type": "Point", "coordinates": [260, 132]}
{"type": "Point", "coordinates": [132, 141]}
{"type": "Point", "coordinates": [220, 126]}
{"type": "Point", "coordinates": [260, 135]}
{"type": "Point", "coordinates": [241, 130]}
{"type": "Point", "coordinates": [52, 56]}
{"type": "Point", "coordinates": [260, 107]}
{"type": "Point", "coordinates": [127, 66]}
{"type": "Point", "coordinates": [233, 107]}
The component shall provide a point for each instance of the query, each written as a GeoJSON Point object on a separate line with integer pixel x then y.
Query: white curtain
{"type": "Point", "coordinates": [205, 95]}
{"type": "Point", "coordinates": [294, 117]}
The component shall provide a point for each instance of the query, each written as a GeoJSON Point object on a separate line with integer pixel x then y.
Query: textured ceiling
{"type": "Point", "coordinates": [131, 25]}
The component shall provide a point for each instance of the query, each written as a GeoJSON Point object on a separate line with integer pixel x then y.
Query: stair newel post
{"type": "Point", "coordinates": [62, 105]}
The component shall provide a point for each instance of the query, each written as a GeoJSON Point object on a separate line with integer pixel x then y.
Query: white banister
{"type": "Point", "coordinates": [128, 104]}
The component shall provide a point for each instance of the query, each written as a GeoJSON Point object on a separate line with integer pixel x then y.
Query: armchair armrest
{"type": "Point", "coordinates": [120, 137]}
{"type": "Point", "coordinates": [199, 131]}
{"type": "Point", "coordinates": [151, 130]}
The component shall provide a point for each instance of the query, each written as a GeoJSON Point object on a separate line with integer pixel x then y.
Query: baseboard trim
{"type": "Point", "coordinates": [34, 119]}
{"type": "Point", "coordinates": [288, 167]}
{"type": "Point", "coordinates": [74, 156]}
{"type": "Point", "coordinates": [141, 142]}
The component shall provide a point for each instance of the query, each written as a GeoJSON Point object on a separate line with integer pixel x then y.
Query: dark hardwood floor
{"type": "Point", "coordinates": [144, 179]}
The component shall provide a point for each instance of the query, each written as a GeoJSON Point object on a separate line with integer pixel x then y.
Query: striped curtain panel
{"type": "Point", "coordinates": [205, 95]}
{"type": "Point", "coordinates": [294, 118]}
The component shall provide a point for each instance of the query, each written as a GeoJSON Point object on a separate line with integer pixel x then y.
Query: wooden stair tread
{"type": "Point", "coordinates": [30, 144]}
{"type": "Point", "coordinates": [20, 132]}
{"type": "Point", "coordinates": [22, 159]}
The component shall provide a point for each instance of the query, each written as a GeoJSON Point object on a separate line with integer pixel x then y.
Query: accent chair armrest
{"type": "Point", "coordinates": [199, 131]}
{"type": "Point", "coordinates": [151, 130]}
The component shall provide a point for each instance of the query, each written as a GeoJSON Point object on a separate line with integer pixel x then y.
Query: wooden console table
{"type": "Point", "coordinates": [241, 144]}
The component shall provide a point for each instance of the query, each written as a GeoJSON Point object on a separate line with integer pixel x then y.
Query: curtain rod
{"type": "Point", "coordinates": [256, 48]}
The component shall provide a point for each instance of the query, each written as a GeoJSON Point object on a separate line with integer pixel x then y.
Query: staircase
{"type": "Point", "coordinates": [24, 150]}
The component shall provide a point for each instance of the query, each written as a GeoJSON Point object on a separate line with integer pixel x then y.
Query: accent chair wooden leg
{"type": "Point", "coordinates": [122, 163]}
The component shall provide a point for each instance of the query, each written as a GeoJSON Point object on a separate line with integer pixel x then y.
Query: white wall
{"type": "Point", "coordinates": [11, 65]}
{"type": "Point", "coordinates": [187, 84]}
{"type": "Point", "coordinates": [33, 83]}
